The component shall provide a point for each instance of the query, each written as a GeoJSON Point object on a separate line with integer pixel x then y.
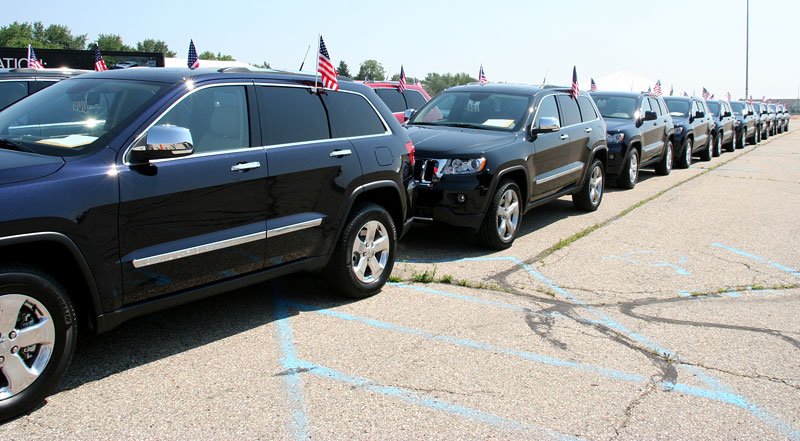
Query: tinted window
{"type": "Point", "coordinates": [547, 109]}
{"type": "Point", "coordinates": [587, 110]}
{"type": "Point", "coordinates": [291, 114]}
{"type": "Point", "coordinates": [414, 99]}
{"type": "Point", "coordinates": [569, 110]}
{"type": "Point", "coordinates": [615, 106]}
{"type": "Point", "coordinates": [39, 85]}
{"type": "Point", "coordinates": [655, 107]}
{"type": "Point", "coordinates": [393, 99]}
{"type": "Point", "coordinates": [12, 91]}
{"type": "Point", "coordinates": [352, 115]}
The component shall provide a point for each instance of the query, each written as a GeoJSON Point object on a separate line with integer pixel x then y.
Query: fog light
{"type": "Point", "coordinates": [610, 156]}
{"type": "Point", "coordinates": [461, 198]}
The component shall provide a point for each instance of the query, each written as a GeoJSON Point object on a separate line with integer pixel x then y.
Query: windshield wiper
{"type": "Point", "coordinates": [467, 125]}
{"type": "Point", "coordinates": [12, 145]}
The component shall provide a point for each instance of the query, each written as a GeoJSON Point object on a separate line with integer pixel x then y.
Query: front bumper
{"type": "Point", "coordinates": [616, 158]}
{"type": "Point", "coordinates": [459, 201]}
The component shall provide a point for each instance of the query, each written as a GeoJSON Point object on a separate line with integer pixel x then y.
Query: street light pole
{"type": "Point", "coordinates": [747, 56]}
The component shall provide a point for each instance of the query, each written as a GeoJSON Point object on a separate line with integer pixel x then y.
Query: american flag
{"type": "Point", "coordinates": [685, 94]}
{"type": "Point", "coordinates": [325, 67]}
{"type": "Point", "coordinates": [99, 62]}
{"type": "Point", "coordinates": [706, 94]}
{"type": "Point", "coordinates": [592, 86]}
{"type": "Point", "coordinates": [671, 90]}
{"type": "Point", "coordinates": [33, 62]}
{"type": "Point", "coordinates": [657, 88]}
{"type": "Point", "coordinates": [575, 91]}
{"type": "Point", "coordinates": [193, 62]}
{"type": "Point", "coordinates": [482, 76]}
{"type": "Point", "coordinates": [402, 86]}
{"type": "Point", "coordinates": [728, 95]}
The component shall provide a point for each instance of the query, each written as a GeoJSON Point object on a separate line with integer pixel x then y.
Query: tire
{"type": "Point", "coordinates": [364, 255]}
{"type": "Point", "coordinates": [757, 136]}
{"type": "Point", "coordinates": [716, 149]}
{"type": "Point", "coordinates": [630, 170]}
{"type": "Point", "coordinates": [30, 298]}
{"type": "Point", "coordinates": [731, 146]}
{"type": "Point", "coordinates": [589, 197]}
{"type": "Point", "coordinates": [685, 159]}
{"type": "Point", "coordinates": [503, 218]}
{"type": "Point", "coordinates": [664, 167]}
{"type": "Point", "coordinates": [741, 140]}
{"type": "Point", "coordinates": [706, 154]}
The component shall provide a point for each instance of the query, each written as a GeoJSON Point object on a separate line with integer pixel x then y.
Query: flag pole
{"type": "Point", "coordinates": [316, 70]}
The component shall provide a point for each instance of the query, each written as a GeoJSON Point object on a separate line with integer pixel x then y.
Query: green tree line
{"type": "Point", "coordinates": [433, 82]}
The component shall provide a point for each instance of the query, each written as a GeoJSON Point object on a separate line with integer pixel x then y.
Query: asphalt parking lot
{"type": "Point", "coordinates": [673, 312]}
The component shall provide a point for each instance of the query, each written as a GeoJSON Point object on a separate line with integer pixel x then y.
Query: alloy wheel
{"type": "Point", "coordinates": [596, 186]}
{"type": "Point", "coordinates": [633, 168]}
{"type": "Point", "coordinates": [507, 218]}
{"type": "Point", "coordinates": [370, 252]}
{"type": "Point", "coordinates": [27, 335]}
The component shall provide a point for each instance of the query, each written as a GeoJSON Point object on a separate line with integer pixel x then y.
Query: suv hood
{"type": "Point", "coordinates": [431, 142]}
{"type": "Point", "coordinates": [22, 166]}
{"type": "Point", "coordinates": [618, 125]}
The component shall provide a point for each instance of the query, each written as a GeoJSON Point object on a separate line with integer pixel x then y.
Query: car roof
{"type": "Point", "coordinates": [623, 94]}
{"type": "Point", "coordinates": [523, 89]}
{"type": "Point", "coordinates": [6, 74]}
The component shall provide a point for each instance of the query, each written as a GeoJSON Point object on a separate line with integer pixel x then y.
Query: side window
{"type": "Point", "coordinates": [645, 107]}
{"type": "Point", "coordinates": [547, 109]}
{"type": "Point", "coordinates": [216, 117]}
{"type": "Point", "coordinates": [654, 105]}
{"type": "Point", "coordinates": [352, 115]}
{"type": "Point", "coordinates": [569, 110]}
{"type": "Point", "coordinates": [587, 110]}
{"type": "Point", "coordinates": [39, 85]}
{"type": "Point", "coordinates": [11, 92]}
{"type": "Point", "coordinates": [414, 99]}
{"type": "Point", "coordinates": [291, 114]}
{"type": "Point", "coordinates": [695, 108]}
{"type": "Point", "coordinates": [393, 99]}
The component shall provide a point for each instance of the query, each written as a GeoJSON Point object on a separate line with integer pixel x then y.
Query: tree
{"type": "Point", "coordinates": [343, 69]}
{"type": "Point", "coordinates": [36, 34]}
{"type": "Point", "coordinates": [208, 55]}
{"type": "Point", "coordinates": [151, 45]}
{"type": "Point", "coordinates": [263, 65]}
{"type": "Point", "coordinates": [110, 42]}
{"type": "Point", "coordinates": [372, 70]}
{"type": "Point", "coordinates": [435, 83]}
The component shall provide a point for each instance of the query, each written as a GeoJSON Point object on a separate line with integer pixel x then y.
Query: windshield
{"type": "Point", "coordinates": [616, 106]}
{"type": "Point", "coordinates": [678, 107]}
{"type": "Point", "coordinates": [68, 117]}
{"type": "Point", "coordinates": [771, 107]}
{"type": "Point", "coordinates": [714, 107]}
{"type": "Point", "coordinates": [738, 107]}
{"type": "Point", "coordinates": [480, 110]}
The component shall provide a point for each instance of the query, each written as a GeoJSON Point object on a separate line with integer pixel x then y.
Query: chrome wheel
{"type": "Point", "coordinates": [718, 146]}
{"type": "Point", "coordinates": [27, 335]}
{"type": "Point", "coordinates": [633, 168]}
{"type": "Point", "coordinates": [688, 152]}
{"type": "Point", "coordinates": [596, 186]}
{"type": "Point", "coordinates": [370, 252]}
{"type": "Point", "coordinates": [507, 217]}
{"type": "Point", "coordinates": [668, 164]}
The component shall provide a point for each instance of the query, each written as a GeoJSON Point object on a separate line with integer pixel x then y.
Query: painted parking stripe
{"type": "Point", "coordinates": [298, 427]}
{"type": "Point", "coordinates": [775, 265]}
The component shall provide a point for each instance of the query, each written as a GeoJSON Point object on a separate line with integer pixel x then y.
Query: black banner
{"type": "Point", "coordinates": [13, 58]}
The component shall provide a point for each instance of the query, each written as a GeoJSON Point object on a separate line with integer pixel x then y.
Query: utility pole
{"type": "Point", "coordinates": [747, 56]}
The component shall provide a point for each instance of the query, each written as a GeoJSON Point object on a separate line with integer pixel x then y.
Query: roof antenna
{"type": "Point", "coordinates": [544, 80]}
{"type": "Point", "coordinates": [304, 58]}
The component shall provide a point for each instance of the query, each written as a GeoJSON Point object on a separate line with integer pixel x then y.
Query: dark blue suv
{"type": "Point", "coordinates": [130, 191]}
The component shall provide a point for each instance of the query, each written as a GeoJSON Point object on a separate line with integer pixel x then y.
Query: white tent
{"type": "Point", "coordinates": [181, 62]}
{"type": "Point", "coordinates": [624, 81]}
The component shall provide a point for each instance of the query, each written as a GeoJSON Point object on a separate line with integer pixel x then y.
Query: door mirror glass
{"type": "Point", "coordinates": [164, 141]}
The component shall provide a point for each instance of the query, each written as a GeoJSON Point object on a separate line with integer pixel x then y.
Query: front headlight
{"type": "Point", "coordinates": [463, 166]}
{"type": "Point", "coordinates": [678, 130]}
{"type": "Point", "coordinates": [615, 138]}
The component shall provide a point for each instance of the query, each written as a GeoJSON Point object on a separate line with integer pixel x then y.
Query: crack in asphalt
{"type": "Point", "coordinates": [627, 414]}
{"type": "Point", "coordinates": [787, 382]}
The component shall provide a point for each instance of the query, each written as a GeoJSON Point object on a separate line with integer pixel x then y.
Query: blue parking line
{"type": "Point", "coordinates": [294, 387]}
{"type": "Point", "coordinates": [776, 265]}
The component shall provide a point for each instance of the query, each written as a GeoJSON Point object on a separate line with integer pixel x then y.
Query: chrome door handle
{"type": "Point", "coordinates": [340, 153]}
{"type": "Point", "coordinates": [245, 166]}
{"type": "Point", "coordinates": [588, 130]}
{"type": "Point", "coordinates": [564, 137]}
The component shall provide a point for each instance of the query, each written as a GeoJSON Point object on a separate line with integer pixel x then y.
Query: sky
{"type": "Point", "coordinates": [687, 44]}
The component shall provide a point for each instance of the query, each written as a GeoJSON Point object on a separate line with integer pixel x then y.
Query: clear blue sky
{"type": "Point", "coordinates": [688, 43]}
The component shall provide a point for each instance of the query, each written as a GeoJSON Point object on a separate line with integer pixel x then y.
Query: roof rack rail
{"type": "Point", "coordinates": [234, 69]}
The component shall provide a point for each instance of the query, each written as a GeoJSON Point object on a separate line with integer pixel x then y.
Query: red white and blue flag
{"type": "Point", "coordinates": [192, 61]}
{"type": "Point", "coordinates": [325, 67]}
{"type": "Point", "coordinates": [402, 86]}
{"type": "Point", "coordinates": [592, 86]}
{"type": "Point", "coordinates": [706, 94]}
{"type": "Point", "coordinates": [657, 88]}
{"type": "Point", "coordinates": [482, 76]}
{"type": "Point", "coordinates": [99, 62]}
{"type": "Point", "coordinates": [728, 95]}
{"type": "Point", "coordinates": [33, 62]}
{"type": "Point", "coordinates": [575, 90]}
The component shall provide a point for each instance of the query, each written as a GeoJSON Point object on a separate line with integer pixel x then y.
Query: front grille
{"type": "Point", "coordinates": [425, 170]}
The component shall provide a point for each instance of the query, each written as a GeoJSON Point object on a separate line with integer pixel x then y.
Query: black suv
{"type": "Point", "coordinates": [692, 128]}
{"type": "Point", "coordinates": [723, 132]}
{"type": "Point", "coordinates": [640, 133]}
{"type": "Point", "coordinates": [141, 189]}
{"type": "Point", "coordinates": [764, 118]}
{"type": "Point", "coordinates": [16, 84]}
{"type": "Point", "coordinates": [745, 123]}
{"type": "Point", "coordinates": [489, 153]}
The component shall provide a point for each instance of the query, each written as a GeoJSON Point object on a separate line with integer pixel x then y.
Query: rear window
{"type": "Point", "coordinates": [291, 114]}
{"type": "Point", "coordinates": [414, 99]}
{"type": "Point", "coordinates": [352, 115]}
{"type": "Point", "coordinates": [393, 99]}
{"type": "Point", "coordinates": [11, 92]}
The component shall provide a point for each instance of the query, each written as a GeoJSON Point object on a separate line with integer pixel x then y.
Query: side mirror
{"type": "Point", "coordinates": [162, 142]}
{"type": "Point", "coordinates": [408, 114]}
{"type": "Point", "coordinates": [750, 113]}
{"type": "Point", "coordinates": [727, 114]}
{"type": "Point", "coordinates": [546, 125]}
{"type": "Point", "coordinates": [699, 114]}
{"type": "Point", "coordinates": [649, 115]}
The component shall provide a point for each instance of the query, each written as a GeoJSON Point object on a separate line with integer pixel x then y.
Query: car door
{"type": "Point", "coordinates": [310, 174]}
{"type": "Point", "coordinates": [551, 163]}
{"type": "Point", "coordinates": [193, 220]}
{"type": "Point", "coordinates": [649, 130]}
